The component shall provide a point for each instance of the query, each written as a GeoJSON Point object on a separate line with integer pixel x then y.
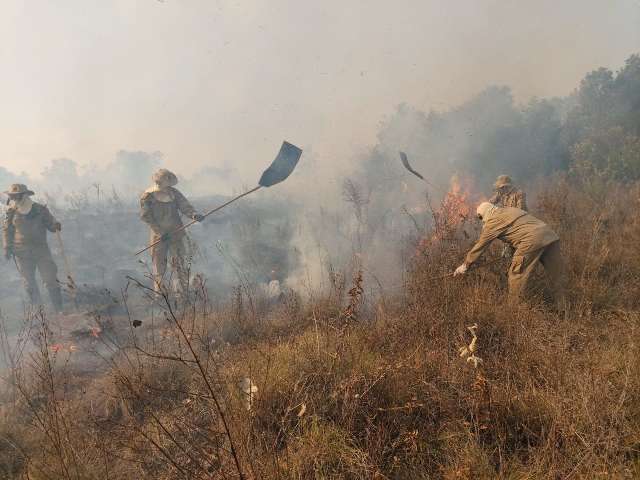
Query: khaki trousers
{"type": "Point", "coordinates": [523, 266]}
{"type": "Point", "coordinates": [39, 258]}
{"type": "Point", "coordinates": [172, 251]}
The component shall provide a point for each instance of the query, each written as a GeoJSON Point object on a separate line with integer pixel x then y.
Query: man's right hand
{"type": "Point", "coordinates": [461, 270]}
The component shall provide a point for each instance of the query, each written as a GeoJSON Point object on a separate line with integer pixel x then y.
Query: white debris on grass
{"type": "Point", "coordinates": [468, 351]}
{"type": "Point", "coordinates": [249, 391]}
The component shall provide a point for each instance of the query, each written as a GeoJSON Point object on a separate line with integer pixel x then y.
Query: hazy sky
{"type": "Point", "coordinates": [222, 82]}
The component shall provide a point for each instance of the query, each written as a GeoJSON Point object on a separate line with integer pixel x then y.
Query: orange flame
{"type": "Point", "coordinates": [59, 347]}
{"type": "Point", "coordinates": [451, 214]}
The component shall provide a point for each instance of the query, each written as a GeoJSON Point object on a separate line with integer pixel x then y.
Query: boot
{"type": "Point", "coordinates": [56, 298]}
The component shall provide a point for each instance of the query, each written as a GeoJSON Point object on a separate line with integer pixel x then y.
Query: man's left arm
{"type": "Point", "coordinates": [185, 207]}
{"type": "Point", "coordinates": [50, 221]}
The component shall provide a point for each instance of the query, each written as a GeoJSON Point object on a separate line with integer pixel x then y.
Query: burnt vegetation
{"type": "Point", "coordinates": [435, 378]}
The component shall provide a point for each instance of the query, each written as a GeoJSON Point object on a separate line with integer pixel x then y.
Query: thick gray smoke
{"type": "Point", "coordinates": [330, 219]}
{"type": "Point", "coordinates": [99, 211]}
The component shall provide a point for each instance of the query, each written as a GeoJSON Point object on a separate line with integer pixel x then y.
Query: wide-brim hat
{"type": "Point", "coordinates": [503, 181]}
{"type": "Point", "coordinates": [164, 173]}
{"type": "Point", "coordinates": [18, 189]}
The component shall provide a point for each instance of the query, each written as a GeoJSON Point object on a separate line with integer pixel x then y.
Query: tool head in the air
{"type": "Point", "coordinates": [405, 162]}
{"type": "Point", "coordinates": [284, 163]}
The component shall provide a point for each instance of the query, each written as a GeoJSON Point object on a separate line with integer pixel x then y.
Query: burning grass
{"type": "Point", "coordinates": [384, 393]}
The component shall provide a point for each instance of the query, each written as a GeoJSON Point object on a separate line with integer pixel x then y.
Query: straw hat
{"type": "Point", "coordinates": [503, 181]}
{"type": "Point", "coordinates": [163, 173]}
{"type": "Point", "coordinates": [18, 189]}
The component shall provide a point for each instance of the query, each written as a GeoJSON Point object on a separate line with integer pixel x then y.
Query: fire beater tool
{"type": "Point", "coordinates": [405, 162]}
{"type": "Point", "coordinates": [67, 268]}
{"type": "Point", "coordinates": [283, 165]}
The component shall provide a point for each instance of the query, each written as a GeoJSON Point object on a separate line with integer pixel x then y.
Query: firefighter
{"type": "Point", "coordinates": [507, 195]}
{"type": "Point", "coordinates": [161, 207]}
{"type": "Point", "coordinates": [533, 242]}
{"type": "Point", "coordinates": [25, 239]}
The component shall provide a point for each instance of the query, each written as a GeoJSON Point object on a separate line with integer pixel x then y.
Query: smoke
{"type": "Point", "coordinates": [213, 105]}
{"type": "Point", "coordinates": [213, 82]}
{"type": "Point", "coordinates": [366, 217]}
{"type": "Point", "coordinates": [128, 175]}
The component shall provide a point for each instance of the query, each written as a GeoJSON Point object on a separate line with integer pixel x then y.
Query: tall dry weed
{"type": "Point", "coordinates": [387, 396]}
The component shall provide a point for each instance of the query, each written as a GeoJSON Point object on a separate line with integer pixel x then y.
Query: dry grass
{"type": "Point", "coordinates": [383, 393]}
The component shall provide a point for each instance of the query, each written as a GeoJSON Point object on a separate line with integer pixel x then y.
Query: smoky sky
{"type": "Point", "coordinates": [220, 83]}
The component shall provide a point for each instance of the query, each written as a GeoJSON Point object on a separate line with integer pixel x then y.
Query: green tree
{"type": "Point", "coordinates": [609, 155]}
{"type": "Point", "coordinates": [627, 89]}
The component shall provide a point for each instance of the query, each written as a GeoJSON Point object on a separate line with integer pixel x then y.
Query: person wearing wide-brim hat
{"type": "Point", "coordinates": [161, 207]}
{"type": "Point", "coordinates": [24, 238]}
{"type": "Point", "coordinates": [507, 195]}
{"type": "Point", "coordinates": [18, 189]}
{"type": "Point", "coordinates": [164, 177]}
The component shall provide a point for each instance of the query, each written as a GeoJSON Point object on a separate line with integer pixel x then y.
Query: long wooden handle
{"type": "Point", "coordinates": [471, 269]}
{"type": "Point", "coordinates": [64, 256]}
{"type": "Point", "coordinates": [184, 227]}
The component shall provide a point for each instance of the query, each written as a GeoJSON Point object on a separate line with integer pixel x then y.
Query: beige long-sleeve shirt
{"type": "Point", "coordinates": [524, 232]}
{"type": "Point", "coordinates": [164, 217]}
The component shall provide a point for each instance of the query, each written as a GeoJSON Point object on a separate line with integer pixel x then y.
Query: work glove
{"type": "Point", "coordinates": [461, 270]}
{"type": "Point", "coordinates": [165, 237]}
{"type": "Point", "coordinates": [57, 227]}
{"type": "Point", "coordinates": [198, 217]}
